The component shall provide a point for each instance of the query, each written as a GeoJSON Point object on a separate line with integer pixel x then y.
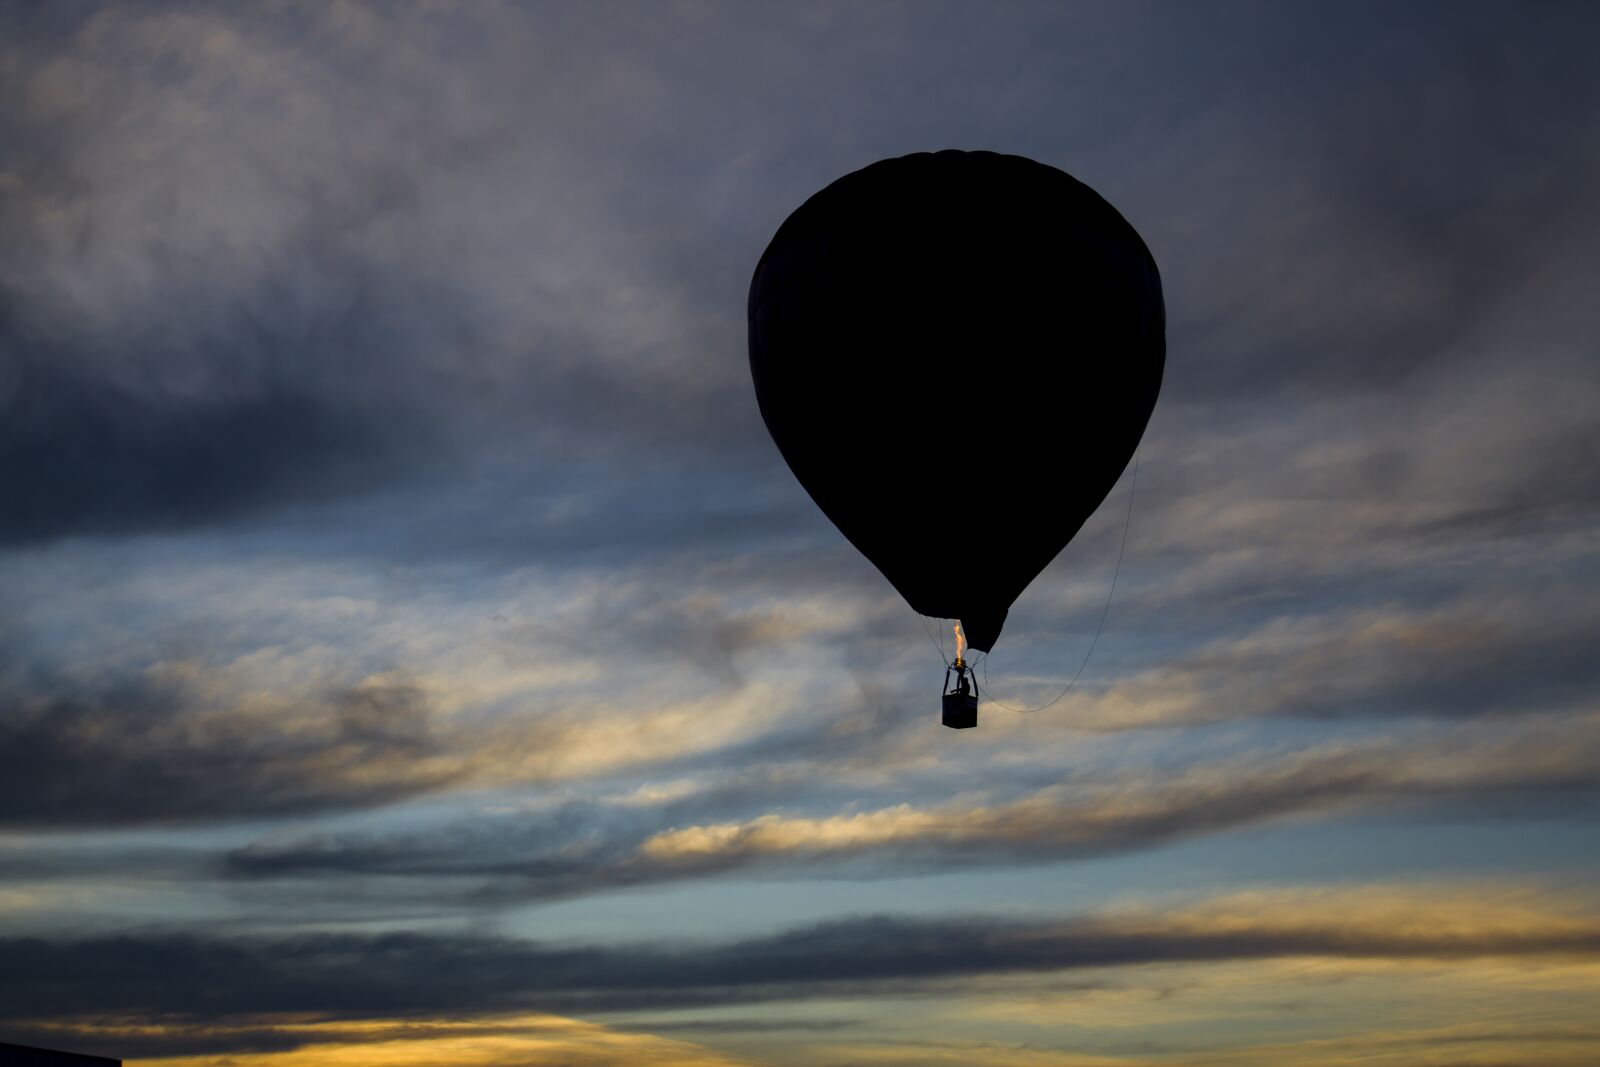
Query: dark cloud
{"type": "Point", "coordinates": [1473, 657]}
{"type": "Point", "coordinates": [213, 718]}
{"type": "Point", "coordinates": [189, 978]}
{"type": "Point", "coordinates": [438, 282]}
{"type": "Point", "coordinates": [83, 456]}
{"type": "Point", "coordinates": [234, 325]}
{"type": "Point", "coordinates": [633, 621]}
{"type": "Point", "coordinates": [161, 364]}
{"type": "Point", "coordinates": [600, 513]}
{"type": "Point", "coordinates": [1399, 185]}
{"type": "Point", "coordinates": [584, 849]}
{"type": "Point", "coordinates": [149, 751]}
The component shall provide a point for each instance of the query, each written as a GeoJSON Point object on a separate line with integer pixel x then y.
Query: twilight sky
{"type": "Point", "coordinates": [413, 649]}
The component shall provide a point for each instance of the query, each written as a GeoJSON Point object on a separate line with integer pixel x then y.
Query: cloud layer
{"type": "Point", "coordinates": [408, 631]}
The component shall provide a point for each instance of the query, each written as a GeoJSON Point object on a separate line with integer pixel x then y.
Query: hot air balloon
{"type": "Point", "coordinates": [957, 354]}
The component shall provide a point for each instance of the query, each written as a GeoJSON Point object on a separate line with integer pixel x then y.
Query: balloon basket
{"type": "Point", "coordinates": [960, 711]}
{"type": "Point", "coordinates": [960, 703]}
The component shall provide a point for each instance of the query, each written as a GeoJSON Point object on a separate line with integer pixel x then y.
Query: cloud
{"type": "Point", "coordinates": [261, 669]}
{"type": "Point", "coordinates": [199, 325]}
{"type": "Point", "coordinates": [448, 237]}
{"type": "Point", "coordinates": [527, 1040]}
{"type": "Point", "coordinates": [428, 324]}
{"type": "Point", "coordinates": [343, 976]}
{"type": "Point", "coordinates": [119, 462]}
{"type": "Point", "coordinates": [183, 744]}
{"type": "Point", "coordinates": [153, 750]}
{"type": "Point", "coordinates": [182, 342]}
{"type": "Point", "coordinates": [1135, 812]}
{"type": "Point", "coordinates": [1485, 655]}
{"type": "Point", "coordinates": [631, 619]}
{"type": "Point", "coordinates": [581, 849]}
{"type": "Point", "coordinates": [1377, 206]}
{"type": "Point", "coordinates": [157, 696]}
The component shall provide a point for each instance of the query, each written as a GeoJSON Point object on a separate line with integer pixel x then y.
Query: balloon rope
{"type": "Point", "coordinates": [936, 642]}
{"type": "Point", "coordinates": [1127, 521]}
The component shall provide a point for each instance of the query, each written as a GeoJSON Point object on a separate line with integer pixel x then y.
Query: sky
{"type": "Point", "coordinates": [414, 650]}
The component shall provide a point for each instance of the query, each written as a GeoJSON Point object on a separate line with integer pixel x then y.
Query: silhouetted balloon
{"type": "Point", "coordinates": [957, 353]}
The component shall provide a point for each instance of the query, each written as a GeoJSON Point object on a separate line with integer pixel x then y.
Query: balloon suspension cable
{"type": "Point", "coordinates": [1127, 521]}
{"type": "Point", "coordinates": [937, 643]}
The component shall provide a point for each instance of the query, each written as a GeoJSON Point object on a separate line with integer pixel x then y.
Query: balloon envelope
{"type": "Point", "coordinates": [957, 353]}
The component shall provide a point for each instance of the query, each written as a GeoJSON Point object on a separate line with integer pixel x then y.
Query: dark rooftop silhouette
{"type": "Point", "coordinates": [29, 1056]}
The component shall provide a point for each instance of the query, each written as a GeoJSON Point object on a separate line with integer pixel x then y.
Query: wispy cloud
{"type": "Point", "coordinates": [1472, 656]}
{"type": "Point", "coordinates": [333, 977]}
{"type": "Point", "coordinates": [576, 850]}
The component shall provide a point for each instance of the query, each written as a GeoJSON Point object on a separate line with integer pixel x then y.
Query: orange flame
{"type": "Point", "coordinates": [961, 644]}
